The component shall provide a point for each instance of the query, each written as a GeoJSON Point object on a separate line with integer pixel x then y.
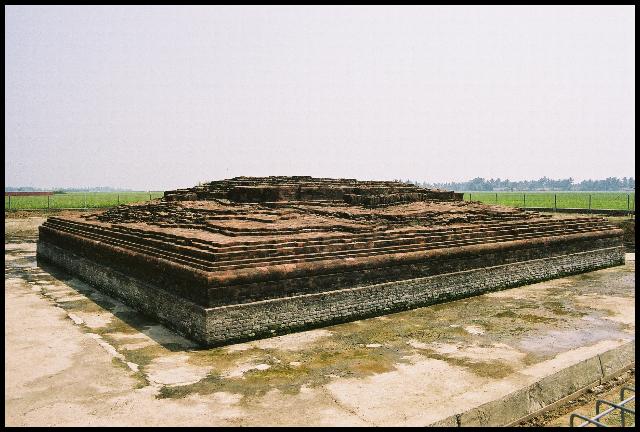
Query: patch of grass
{"type": "Point", "coordinates": [220, 357]}
{"type": "Point", "coordinates": [495, 369]}
{"type": "Point", "coordinates": [84, 305]}
{"type": "Point", "coordinates": [559, 308]}
{"type": "Point", "coordinates": [315, 368]}
{"type": "Point", "coordinates": [174, 392]}
{"type": "Point", "coordinates": [144, 356]}
{"type": "Point", "coordinates": [141, 379]}
{"type": "Point", "coordinates": [536, 318]}
{"type": "Point", "coordinates": [506, 314]}
{"type": "Point", "coordinates": [116, 325]}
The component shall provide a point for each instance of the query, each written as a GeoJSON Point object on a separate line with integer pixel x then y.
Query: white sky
{"type": "Point", "coordinates": [164, 97]}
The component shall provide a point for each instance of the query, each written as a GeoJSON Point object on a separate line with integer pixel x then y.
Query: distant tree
{"type": "Point", "coordinates": [544, 183]}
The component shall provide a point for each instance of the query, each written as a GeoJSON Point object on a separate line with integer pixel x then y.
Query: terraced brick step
{"type": "Point", "coordinates": [211, 262]}
{"type": "Point", "coordinates": [252, 245]}
{"type": "Point", "coordinates": [401, 235]}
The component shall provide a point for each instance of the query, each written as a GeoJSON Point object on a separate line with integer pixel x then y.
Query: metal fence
{"type": "Point", "coordinates": [538, 200]}
{"type": "Point", "coordinates": [624, 201]}
{"type": "Point", "coordinates": [627, 414]}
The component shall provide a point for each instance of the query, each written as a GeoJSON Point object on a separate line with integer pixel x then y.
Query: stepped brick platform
{"type": "Point", "coordinates": [251, 257]}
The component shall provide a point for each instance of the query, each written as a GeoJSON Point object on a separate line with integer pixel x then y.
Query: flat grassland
{"type": "Point", "coordinates": [594, 200]}
{"type": "Point", "coordinates": [79, 200]}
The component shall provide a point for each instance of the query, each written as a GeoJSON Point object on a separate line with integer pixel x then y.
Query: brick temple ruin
{"type": "Point", "coordinates": [251, 257]}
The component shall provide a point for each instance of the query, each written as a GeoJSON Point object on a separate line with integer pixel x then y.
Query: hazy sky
{"type": "Point", "coordinates": [164, 97]}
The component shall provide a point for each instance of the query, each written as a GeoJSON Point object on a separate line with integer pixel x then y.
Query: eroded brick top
{"type": "Point", "coordinates": [301, 188]}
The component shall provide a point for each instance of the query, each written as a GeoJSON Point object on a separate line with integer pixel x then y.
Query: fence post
{"type": "Point", "coordinates": [118, 199]}
{"type": "Point", "coordinates": [555, 202]}
{"type": "Point", "coordinates": [48, 201]}
{"type": "Point", "coordinates": [9, 202]}
{"type": "Point", "coordinates": [149, 195]}
{"type": "Point", "coordinates": [628, 202]}
{"type": "Point", "coordinates": [524, 200]}
{"type": "Point", "coordinates": [469, 196]}
{"type": "Point", "coordinates": [589, 203]}
{"type": "Point", "coordinates": [496, 197]}
{"type": "Point", "coordinates": [85, 200]}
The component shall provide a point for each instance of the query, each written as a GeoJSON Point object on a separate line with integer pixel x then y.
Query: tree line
{"type": "Point", "coordinates": [542, 184]}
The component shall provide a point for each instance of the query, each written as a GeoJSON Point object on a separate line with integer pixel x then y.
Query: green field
{"type": "Point", "coordinates": [79, 200]}
{"type": "Point", "coordinates": [594, 200]}
{"type": "Point", "coordinates": [599, 200]}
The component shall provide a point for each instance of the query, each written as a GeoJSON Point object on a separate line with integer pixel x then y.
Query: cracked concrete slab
{"type": "Point", "coordinates": [94, 361]}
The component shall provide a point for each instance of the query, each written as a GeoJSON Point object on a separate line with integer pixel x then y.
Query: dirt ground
{"type": "Point", "coordinates": [77, 357]}
{"type": "Point", "coordinates": [585, 405]}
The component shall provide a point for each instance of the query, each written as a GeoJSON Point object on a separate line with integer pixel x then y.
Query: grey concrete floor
{"type": "Point", "coordinates": [75, 356]}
